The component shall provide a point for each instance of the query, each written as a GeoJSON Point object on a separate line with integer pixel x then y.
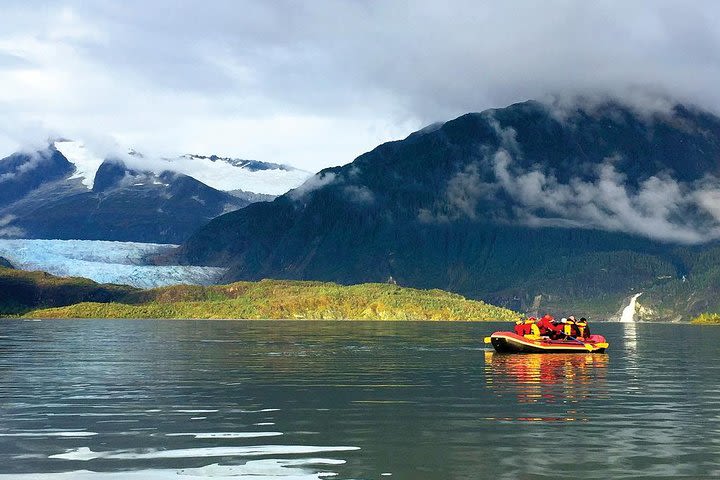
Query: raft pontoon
{"type": "Point", "coordinates": [510, 342]}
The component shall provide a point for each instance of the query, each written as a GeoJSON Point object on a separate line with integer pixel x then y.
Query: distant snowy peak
{"type": "Point", "coordinates": [222, 173]}
{"type": "Point", "coordinates": [86, 162]}
{"type": "Point", "coordinates": [252, 165]}
{"type": "Point", "coordinates": [232, 174]}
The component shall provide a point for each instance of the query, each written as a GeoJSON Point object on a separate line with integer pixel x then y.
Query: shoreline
{"type": "Point", "coordinates": [339, 320]}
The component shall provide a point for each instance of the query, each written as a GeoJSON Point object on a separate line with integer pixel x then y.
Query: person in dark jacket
{"type": "Point", "coordinates": [583, 328]}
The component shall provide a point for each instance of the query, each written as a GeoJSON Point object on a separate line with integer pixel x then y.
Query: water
{"type": "Point", "coordinates": [299, 400]}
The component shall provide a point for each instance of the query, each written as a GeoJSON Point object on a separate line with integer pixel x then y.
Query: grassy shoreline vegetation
{"type": "Point", "coordinates": [22, 292]}
{"type": "Point", "coordinates": [707, 319]}
{"type": "Point", "coordinates": [40, 295]}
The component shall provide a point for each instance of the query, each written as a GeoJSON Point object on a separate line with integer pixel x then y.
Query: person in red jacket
{"type": "Point", "coordinates": [527, 327]}
{"type": "Point", "coordinates": [548, 328]}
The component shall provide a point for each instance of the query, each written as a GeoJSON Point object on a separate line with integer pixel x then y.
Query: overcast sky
{"type": "Point", "coordinates": [316, 83]}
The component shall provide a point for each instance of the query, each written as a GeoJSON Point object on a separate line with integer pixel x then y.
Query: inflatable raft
{"type": "Point", "coordinates": [510, 342]}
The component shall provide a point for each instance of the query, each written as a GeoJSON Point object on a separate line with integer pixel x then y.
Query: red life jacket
{"type": "Point", "coordinates": [523, 328]}
{"type": "Point", "coordinates": [546, 326]}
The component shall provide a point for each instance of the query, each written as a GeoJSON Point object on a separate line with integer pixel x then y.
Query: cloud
{"type": "Point", "coordinates": [709, 199]}
{"type": "Point", "coordinates": [9, 231]}
{"type": "Point", "coordinates": [313, 183]}
{"type": "Point", "coordinates": [34, 161]}
{"type": "Point", "coordinates": [359, 194]}
{"type": "Point", "coordinates": [661, 209]}
{"type": "Point", "coordinates": [314, 84]}
{"type": "Point", "coordinates": [464, 192]}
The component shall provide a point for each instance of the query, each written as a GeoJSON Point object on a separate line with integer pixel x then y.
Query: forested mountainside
{"type": "Point", "coordinates": [529, 206]}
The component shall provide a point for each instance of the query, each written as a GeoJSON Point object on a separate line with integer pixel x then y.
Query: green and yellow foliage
{"type": "Point", "coordinates": [281, 299]}
{"type": "Point", "coordinates": [22, 291]}
{"type": "Point", "coordinates": [707, 319]}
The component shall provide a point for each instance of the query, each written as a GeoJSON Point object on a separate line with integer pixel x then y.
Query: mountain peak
{"type": "Point", "coordinates": [252, 165]}
{"type": "Point", "coordinates": [222, 173]}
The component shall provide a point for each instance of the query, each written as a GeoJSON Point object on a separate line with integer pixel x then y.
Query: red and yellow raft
{"type": "Point", "coordinates": [510, 342]}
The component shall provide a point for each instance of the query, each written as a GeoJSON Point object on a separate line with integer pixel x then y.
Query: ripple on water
{"type": "Point", "coordinates": [85, 454]}
{"type": "Point", "coordinates": [295, 469]}
{"type": "Point", "coordinates": [202, 435]}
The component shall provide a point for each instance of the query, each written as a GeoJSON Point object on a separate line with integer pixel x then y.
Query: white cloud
{"type": "Point", "coordinates": [661, 208]}
{"type": "Point", "coordinates": [7, 230]}
{"type": "Point", "coordinates": [314, 84]}
{"type": "Point", "coordinates": [313, 183]}
{"type": "Point", "coordinates": [359, 194]}
{"type": "Point", "coordinates": [709, 199]}
{"type": "Point", "coordinates": [463, 193]}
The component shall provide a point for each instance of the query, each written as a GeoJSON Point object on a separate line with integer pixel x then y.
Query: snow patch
{"type": "Point", "coordinates": [226, 176]}
{"type": "Point", "coordinates": [86, 163]}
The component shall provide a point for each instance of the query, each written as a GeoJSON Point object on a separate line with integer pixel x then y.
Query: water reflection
{"type": "Point", "coordinates": [548, 378]}
{"type": "Point", "coordinates": [630, 337]}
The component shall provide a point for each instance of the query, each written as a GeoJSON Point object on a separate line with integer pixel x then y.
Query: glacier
{"type": "Point", "coordinates": [105, 262]}
{"type": "Point", "coordinates": [86, 163]}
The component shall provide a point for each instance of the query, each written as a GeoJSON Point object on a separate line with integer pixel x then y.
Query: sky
{"type": "Point", "coordinates": [315, 84]}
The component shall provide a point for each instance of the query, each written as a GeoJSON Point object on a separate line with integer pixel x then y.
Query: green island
{"type": "Point", "coordinates": [707, 319]}
{"type": "Point", "coordinates": [40, 295]}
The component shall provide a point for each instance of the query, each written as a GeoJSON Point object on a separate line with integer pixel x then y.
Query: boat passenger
{"type": "Point", "coordinates": [569, 328]}
{"type": "Point", "coordinates": [583, 328]}
{"type": "Point", "coordinates": [534, 331]}
{"type": "Point", "coordinates": [548, 327]}
{"type": "Point", "coordinates": [524, 327]}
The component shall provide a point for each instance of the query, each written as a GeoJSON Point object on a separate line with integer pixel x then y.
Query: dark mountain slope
{"type": "Point", "coordinates": [21, 173]}
{"type": "Point", "coordinates": [578, 206]}
{"type": "Point", "coordinates": [124, 205]}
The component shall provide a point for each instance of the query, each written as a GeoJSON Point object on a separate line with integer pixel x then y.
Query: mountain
{"type": "Point", "coordinates": [47, 196]}
{"type": "Point", "coordinates": [532, 207]}
{"type": "Point", "coordinates": [243, 177]}
{"type": "Point", "coordinates": [21, 173]}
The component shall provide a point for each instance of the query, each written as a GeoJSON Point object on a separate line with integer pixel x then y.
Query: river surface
{"type": "Point", "coordinates": [114, 399]}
